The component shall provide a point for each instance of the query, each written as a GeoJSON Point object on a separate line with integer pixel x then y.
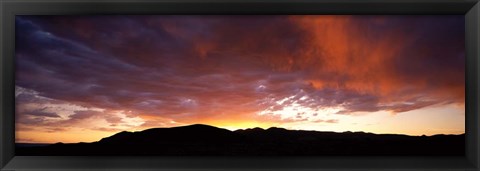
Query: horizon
{"type": "Point", "coordinates": [82, 78]}
{"type": "Point", "coordinates": [264, 129]}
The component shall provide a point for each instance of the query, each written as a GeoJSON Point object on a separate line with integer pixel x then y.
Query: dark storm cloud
{"type": "Point", "coordinates": [437, 55]}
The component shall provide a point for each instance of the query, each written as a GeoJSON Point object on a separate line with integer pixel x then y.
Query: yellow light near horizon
{"type": "Point", "coordinates": [71, 136]}
{"type": "Point", "coordinates": [445, 119]}
{"type": "Point", "coordinates": [235, 125]}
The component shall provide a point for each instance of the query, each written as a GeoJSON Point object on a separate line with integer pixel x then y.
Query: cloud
{"type": "Point", "coordinates": [43, 113]}
{"type": "Point", "coordinates": [187, 69]}
{"type": "Point", "coordinates": [79, 115]}
{"type": "Point", "coordinates": [38, 113]}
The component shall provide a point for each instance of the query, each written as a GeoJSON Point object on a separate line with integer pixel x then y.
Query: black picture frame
{"type": "Point", "coordinates": [10, 8]}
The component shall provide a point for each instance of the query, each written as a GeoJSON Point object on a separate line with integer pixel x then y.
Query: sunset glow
{"type": "Point", "coordinates": [82, 78]}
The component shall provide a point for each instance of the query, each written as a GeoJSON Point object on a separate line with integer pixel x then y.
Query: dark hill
{"type": "Point", "coordinates": [208, 140]}
{"type": "Point", "coordinates": [185, 134]}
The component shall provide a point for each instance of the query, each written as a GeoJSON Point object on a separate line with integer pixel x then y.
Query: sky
{"type": "Point", "coordinates": [82, 78]}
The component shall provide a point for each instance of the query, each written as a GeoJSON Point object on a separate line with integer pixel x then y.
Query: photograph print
{"type": "Point", "coordinates": [240, 85]}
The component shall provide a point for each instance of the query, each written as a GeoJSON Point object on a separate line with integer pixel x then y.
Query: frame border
{"type": "Point", "coordinates": [10, 8]}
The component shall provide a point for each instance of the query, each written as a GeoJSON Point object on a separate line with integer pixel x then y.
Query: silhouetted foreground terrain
{"type": "Point", "coordinates": [209, 140]}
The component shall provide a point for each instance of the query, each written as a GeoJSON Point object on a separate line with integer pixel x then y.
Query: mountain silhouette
{"type": "Point", "coordinates": [203, 140]}
{"type": "Point", "coordinates": [185, 134]}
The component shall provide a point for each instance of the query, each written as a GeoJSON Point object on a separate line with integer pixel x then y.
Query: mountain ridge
{"type": "Point", "coordinates": [279, 128]}
{"type": "Point", "coordinates": [200, 139]}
